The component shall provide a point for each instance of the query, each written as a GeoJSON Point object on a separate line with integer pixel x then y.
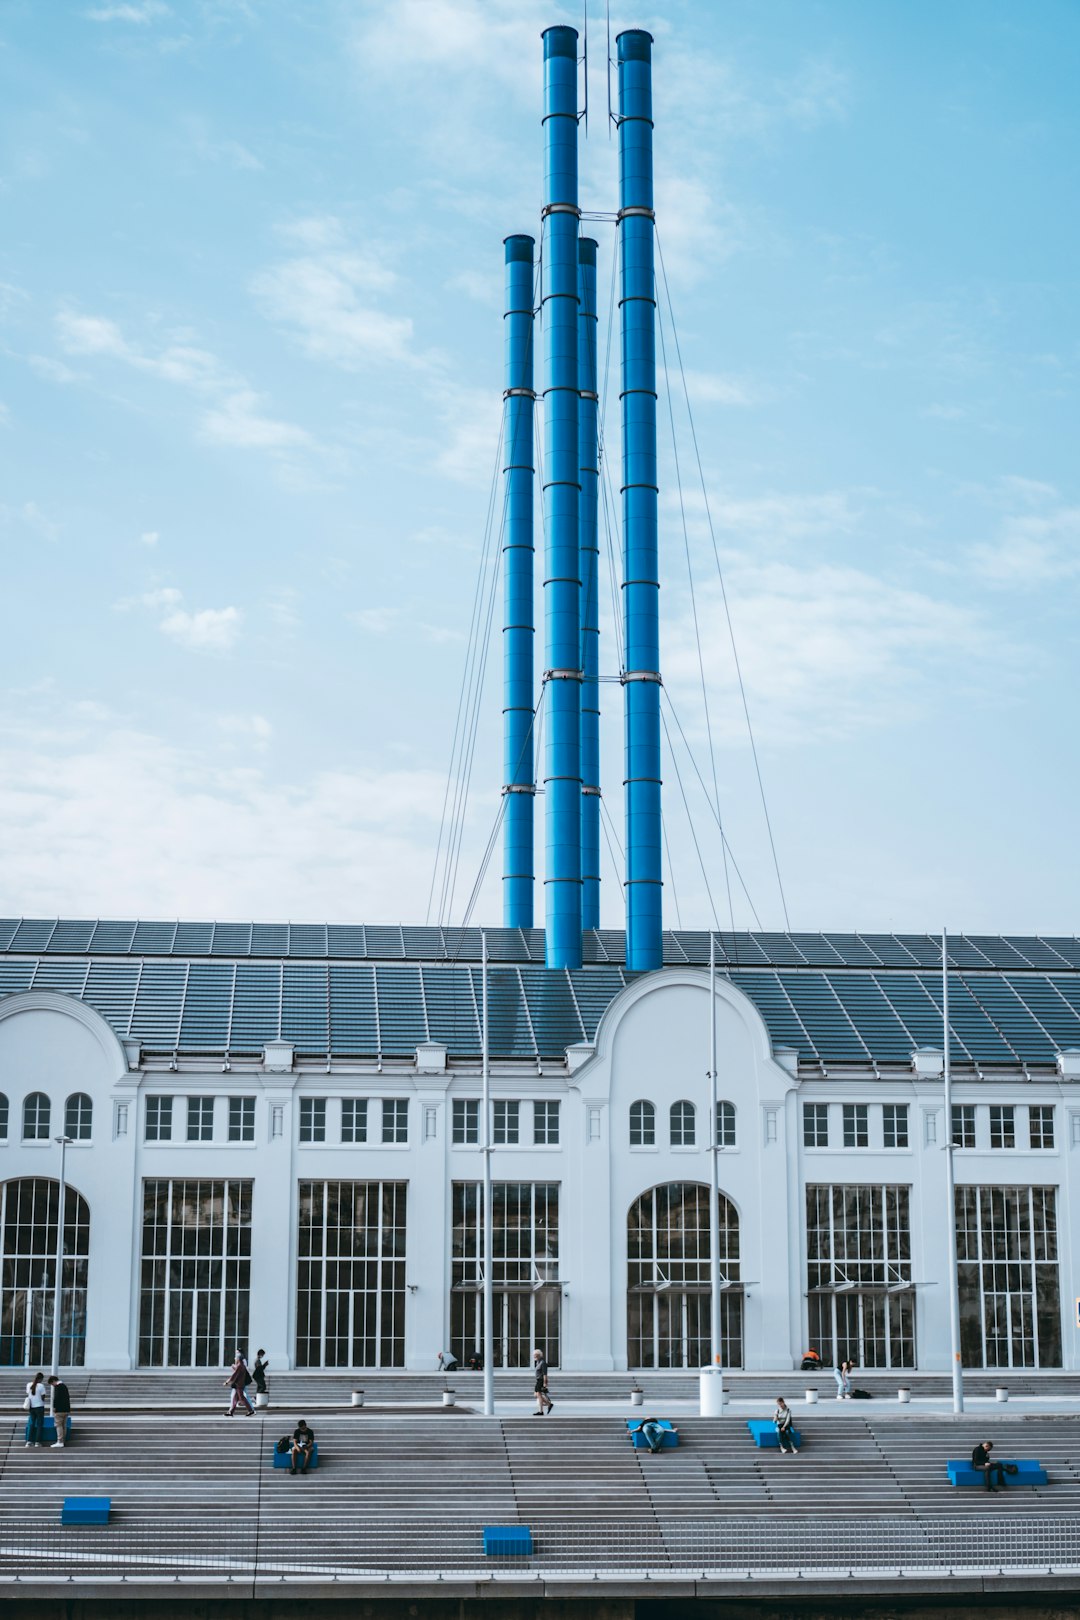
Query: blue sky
{"type": "Point", "coordinates": [251, 340]}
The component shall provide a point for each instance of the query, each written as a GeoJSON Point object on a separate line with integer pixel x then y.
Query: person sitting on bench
{"type": "Point", "coordinates": [653, 1432]}
{"type": "Point", "coordinates": [980, 1458]}
{"type": "Point", "coordinates": [785, 1427]}
{"type": "Point", "coordinates": [303, 1442]}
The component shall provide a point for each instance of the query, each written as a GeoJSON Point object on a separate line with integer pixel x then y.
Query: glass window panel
{"type": "Point", "coordinates": [546, 1123]}
{"type": "Point", "coordinates": [241, 1119]}
{"type": "Point", "coordinates": [1041, 1125]}
{"type": "Point", "coordinates": [725, 1125]}
{"type": "Point", "coordinates": [36, 1113]}
{"type": "Point", "coordinates": [1002, 1126]}
{"type": "Point", "coordinates": [815, 1124]}
{"type": "Point", "coordinates": [683, 1127]}
{"type": "Point", "coordinates": [313, 1119]}
{"type": "Point", "coordinates": [354, 1120]}
{"type": "Point", "coordinates": [395, 1119]}
{"type": "Point", "coordinates": [78, 1117]}
{"type": "Point", "coordinates": [642, 1124]}
{"type": "Point", "coordinates": [465, 1121]}
{"type": "Point", "coordinates": [159, 1111]}
{"type": "Point", "coordinates": [856, 1125]}
{"type": "Point", "coordinates": [894, 1121]}
{"type": "Point", "coordinates": [195, 1272]}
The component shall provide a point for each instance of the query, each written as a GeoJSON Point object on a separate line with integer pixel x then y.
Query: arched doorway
{"type": "Point", "coordinates": [667, 1300]}
{"type": "Point", "coordinates": [29, 1212]}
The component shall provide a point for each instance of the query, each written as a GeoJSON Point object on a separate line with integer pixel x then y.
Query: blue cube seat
{"type": "Point", "coordinates": [639, 1442]}
{"type": "Point", "coordinates": [1028, 1471]}
{"type": "Point", "coordinates": [283, 1459]}
{"type": "Point", "coordinates": [764, 1435]}
{"type": "Point", "coordinates": [86, 1510]}
{"type": "Point", "coordinates": [50, 1429]}
{"type": "Point", "coordinates": [507, 1541]}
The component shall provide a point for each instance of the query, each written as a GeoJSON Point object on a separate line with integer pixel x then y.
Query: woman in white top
{"type": "Point", "coordinates": [35, 1407]}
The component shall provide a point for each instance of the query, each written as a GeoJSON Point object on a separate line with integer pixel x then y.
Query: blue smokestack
{"type": "Point", "coordinates": [641, 583]}
{"type": "Point", "coordinates": [562, 581]}
{"type": "Point", "coordinates": [589, 547]}
{"type": "Point", "coordinates": [518, 547]}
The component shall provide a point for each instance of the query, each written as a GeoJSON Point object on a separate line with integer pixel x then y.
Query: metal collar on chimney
{"type": "Point", "coordinates": [636, 210]}
{"type": "Point", "coordinates": [629, 675]}
{"type": "Point", "coordinates": [561, 208]}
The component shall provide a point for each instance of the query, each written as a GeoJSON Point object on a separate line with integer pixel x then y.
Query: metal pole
{"type": "Point", "coordinates": [950, 1182]}
{"type": "Point", "coordinates": [59, 1276]}
{"type": "Point", "coordinates": [714, 1202]}
{"type": "Point", "coordinates": [489, 1224]}
{"type": "Point", "coordinates": [641, 579]}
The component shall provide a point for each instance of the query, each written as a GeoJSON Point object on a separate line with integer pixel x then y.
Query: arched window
{"type": "Point", "coordinates": [642, 1124]}
{"type": "Point", "coordinates": [28, 1215]}
{"type": "Point", "coordinates": [725, 1124]}
{"type": "Point", "coordinates": [667, 1302]}
{"type": "Point", "coordinates": [78, 1117]}
{"type": "Point", "coordinates": [3, 1117]}
{"type": "Point", "coordinates": [682, 1124]}
{"type": "Point", "coordinates": [35, 1117]}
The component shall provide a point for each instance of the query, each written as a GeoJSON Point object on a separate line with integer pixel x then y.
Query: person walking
{"type": "Point", "coordinates": [544, 1402]}
{"type": "Point", "coordinates": [61, 1410]}
{"type": "Point", "coordinates": [35, 1410]}
{"type": "Point", "coordinates": [237, 1381]}
{"type": "Point", "coordinates": [258, 1372]}
{"type": "Point", "coordinates": [785, 1427]}
{"type": "Point", "coordinates": [303, 1444]}
{"type": "Point", "coordinates": [981, 1459]}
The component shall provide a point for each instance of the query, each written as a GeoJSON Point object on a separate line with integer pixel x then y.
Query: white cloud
{"type": "Point", "coordinates": [377, 621]}
{"type": "Point", "coordinates": [1035, 547]}
{"type": "Point", "coordinates": [206, 630]}
{"type": "Point", "coordinates": [195, 835]}
{"type": "Point", "coordinates": [825, 651]}
{"type": "Point", "coordinates": [946, 413]}
{"type": "Point", "coordinates": [253, 728]}
{"type": "Point", "coordinates": [5, 415]}
{"type": "Point", "coordinates": [710, 388]}
{"type": "Point", "coordinates": [324, 296]}
{"type": "Point", "coordinates": [470, 435]}
{"type": "Point", "coordinates": [236, 421]}
{"type": "Point", "coordinates": [209, 630]}
{"type": "Point", "coordinates": [133, 11]}
{"type": "Point", "coordinates": [53, 370]}
{"type": "Point", "coordinates": [176, 363]}
{"type": "Point", "coordinates": [774, 519]}
{"type": "Point", "coordinates": [150, 538]}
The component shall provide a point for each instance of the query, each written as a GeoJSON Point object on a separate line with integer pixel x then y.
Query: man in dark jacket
{"type": "Point", "coordinates": [980, 1459]}
{"type": "Point", "coordinates": [61, 1410]}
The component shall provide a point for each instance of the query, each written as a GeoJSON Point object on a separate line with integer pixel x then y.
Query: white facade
{"type": "Point", "coordinates": [652, 1046]}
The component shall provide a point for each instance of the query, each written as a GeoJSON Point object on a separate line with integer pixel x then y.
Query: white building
{"type": "Point", "coordinates": [274, 1141]}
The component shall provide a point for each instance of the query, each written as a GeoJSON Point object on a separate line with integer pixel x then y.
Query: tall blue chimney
{"type": "Point", "coordinates": [562, 573]}
{"type": "Point", "coordinates": [518, 548]}
{"type": "Point", "coordinates": [641, 583]}
{"type": "Point", "coordinates": [589, 547]}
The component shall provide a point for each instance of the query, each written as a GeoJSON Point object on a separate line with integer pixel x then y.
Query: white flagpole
{"type": "Point", "coordinates": [714, 1202]}
{"type": "Point", "coordinates": [950, 1182]}
{"type": "Point", "coordinates": [489, 1223]}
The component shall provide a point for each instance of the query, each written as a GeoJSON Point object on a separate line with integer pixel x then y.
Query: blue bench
{"type": "Point", "coordinates": [1028, 1472]}
{"type": "Point", "coordinates": [507, 1541]}
{"type": "Point", "coordinates": [764, 1435]}
{"type": "Point", "coordinates": [283, 1459]}
{"type": "Point", "coordinates": [50, 1429]}
{"type": "Point", "coordinates": [86, 1510]}
{"type": "Point", "coordinates": [638, 1441]}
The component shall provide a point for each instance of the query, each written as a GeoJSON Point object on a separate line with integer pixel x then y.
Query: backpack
{"type": "Point", "coordinates": [861, 1395]}
{"type": "Point", "coordinates": [284, 1444]}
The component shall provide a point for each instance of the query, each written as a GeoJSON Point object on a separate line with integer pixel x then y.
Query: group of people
{"type": "Point", "coordinates": [448, 1362]}
{"type": "Point", "coordinates": [34, 1406]}
{"type": "Point", "coordinates": [240, 1376]}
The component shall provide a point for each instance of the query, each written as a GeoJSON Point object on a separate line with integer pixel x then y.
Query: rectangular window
{"type": "Point", "coordinates": [3, 1118]}
{"type": "Point", "coordinates": [725, 1126]}
{"type": "Point", "coordinates": [856, 1125]}
{"type": "Point", "coordinates": [195, 1272]}
{"type": "Point", "coordinates": [894, 1125]}
{"type": "Point", "coordinates": [466, 1122]}
{"type": "Point", "coordinates": [506, 1123]}
{"type": "Point", "coordinates": [1041, 1125]}
{"type": "Point", "coordinates": [313, 1119]}
{"type": "Point", "coordinates": [241, 1119]}
{"type": "Point", "coordinates": [642, 1124]}
{"type": "Point", "coordinates": [546, 1124]}
{"type": "Point", "coordinates": [354, 1119]}
{"type": "Point", "coordinates": [350, 1274]}
{"type": "Point", "coordinates": [815, 1124]}
{"type": "Point", "coordinates": [1010, 1294]}
{"type": "Point", "coordinates": [395, 1119]}
{"type": "Point", "coordinates": [524, 1272]}
{"type": "Point", "coordinates": [963, 1125]}
{"type": "Point", "coordinates": [1002, 1126]}
{"type": "Point", "coordinates": [159, 1119]}
{"type": "Point", "coordinates": [859, 1274]}
{"type": "Point", "coordinates": [200, 1119]}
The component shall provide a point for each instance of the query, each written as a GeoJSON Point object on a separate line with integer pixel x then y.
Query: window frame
{"type": "Point", "coordinates": [355, 1121]}
{"type": "Point", "coordinates": [643, 1125]}
{"type": "Point", "coordinates": [725, 1124]}
{"type": "Point", "coordinates": [1045, 1112]}
{"type": "Point", "coordinates": [547, 1109]}
{"type": "Point", "coordinates": [465, 1121]}
{"type": "Point", "coordinates": [395, 1121]}
{"type": "Point", "coordinates": [160, 1128]}
{"type": "Point", "coordinates": [312, 1122]}
{"type": "Point", "coordinates": [74, 1129]}
{"type": "Point", "coordinates": [241, 1121]}
{"type": "Point", "coordinates": [963, 1125]}
{"type": "Point", "coordinates": [815, 1125]}
{"type": "Point", "coordinates": [895, 1121]}
{"type": "Point", "coordinates": [506, 1122]}
{"type": "Point", "coordinates": [195, 1130]}
{"type": "Point", "coordinates": [1002, 1119]}
{"type": "Point", "coordinates": [682, 1123]}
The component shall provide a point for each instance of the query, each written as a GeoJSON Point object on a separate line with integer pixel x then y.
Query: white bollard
{"type": "Point", "coordinates": [636, 1397]}
{"type": "Point", "coordinates": [1001, 1394]}
{"type": "Point", "coordinates": [358, 1397]}
{"type": "Point", "coordinates": [903, 1396]}
{"type": "Point", "coordinates": [811, 1397]}
{"type": "Point", "coordinates": [449, 1397]}
{"type": "Point", "coordinates": [711, 1392]}
{"type": "Point", "coordinates": [263, 1398]}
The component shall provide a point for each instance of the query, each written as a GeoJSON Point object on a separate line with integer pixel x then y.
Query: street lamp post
{"type": "Point", "coordinates": [58, 1279]}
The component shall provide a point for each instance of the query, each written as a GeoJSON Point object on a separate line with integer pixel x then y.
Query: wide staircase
{"type": "Point", "coordinates": [190, 1493]}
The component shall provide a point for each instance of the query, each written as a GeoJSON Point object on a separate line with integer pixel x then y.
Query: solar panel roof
{"type": "Point", "coordinates": [365, 990]}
